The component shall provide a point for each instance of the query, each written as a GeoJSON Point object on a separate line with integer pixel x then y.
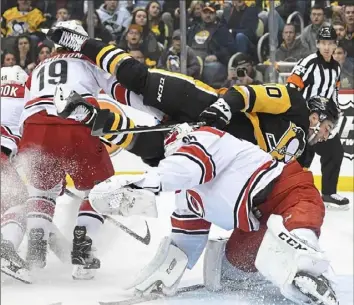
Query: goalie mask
{"type": "Point", "coordinates": [173, 140]}
{"type": "Point", "coordinates": [327, 111]}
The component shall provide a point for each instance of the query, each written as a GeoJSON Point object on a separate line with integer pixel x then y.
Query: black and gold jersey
{"type": "Point", "coordinates": [15, 22]}
{"type": "Point", "coordinates": [272, 116]}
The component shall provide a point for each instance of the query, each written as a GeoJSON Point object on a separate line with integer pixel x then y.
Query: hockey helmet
{"type": "Point", "coordinates": [13, 75]}
{"type": "Point", "coordinates": [72, 25]}
{"type": "Point", "coordinates": [173, 140]}
{"type": "Point", "coordinates": [326, 110]}
{"type": "Point", "coordinates": [327, 33]}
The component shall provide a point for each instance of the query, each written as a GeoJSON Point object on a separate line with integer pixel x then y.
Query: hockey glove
{"type": "Point", "coordinates": [217, 115]}
{"type": "Point", "coordinates": [74, 106]}
{"type": "Point", "coordinates": [67, 38]}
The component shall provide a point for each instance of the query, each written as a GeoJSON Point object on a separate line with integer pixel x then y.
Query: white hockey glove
{"type": "Point", "coordinates": [217, 115]}
{"type": "Point", "coordinates": [164, 272]}
{"type": "Point", "coordinates": [121, 196]}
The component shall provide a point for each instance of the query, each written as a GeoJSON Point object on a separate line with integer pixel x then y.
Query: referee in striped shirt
{"type": "Point", "coordinates": [318, 75]}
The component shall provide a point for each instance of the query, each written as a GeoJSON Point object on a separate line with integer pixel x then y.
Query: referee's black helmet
{"type": "Point", "coordinates": [327, 33]}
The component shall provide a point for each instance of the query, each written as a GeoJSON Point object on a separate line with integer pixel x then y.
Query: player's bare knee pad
{"type": "Point", "coordinates": [283, 254]}
{"type": "Point", "coordinates": [213, 257]}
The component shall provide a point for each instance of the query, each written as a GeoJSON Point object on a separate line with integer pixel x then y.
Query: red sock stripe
{"type": "Point", "coordinates": [190, 224]}
{"type": "Point", "coordinates": [13, 217]}
{"type": "Point", "coordinates": [86, 207]}
{"type": "Point", "coordinates": [41, 206]}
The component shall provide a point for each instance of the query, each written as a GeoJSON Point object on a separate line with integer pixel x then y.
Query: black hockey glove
{"type": "Point", "coordinates": [75, 107]}
{"type": "Point", "coordinates": [67, 38]}
{"type": "Point", "coordinates": [217, 115]}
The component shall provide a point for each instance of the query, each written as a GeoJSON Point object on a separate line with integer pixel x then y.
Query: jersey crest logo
{"type": "Point", "coordinates": [195, 204]}
{"type": "Point", "coordinates": [290, 146]}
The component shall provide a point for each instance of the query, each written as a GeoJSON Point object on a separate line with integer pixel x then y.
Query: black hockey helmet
{"type": "Point", "coordinates": [327, 33]}
{"type": "Point", "coordinates": [325, 108]}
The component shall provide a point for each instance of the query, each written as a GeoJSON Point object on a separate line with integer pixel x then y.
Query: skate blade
{"type": "Point", "coordinates": [24, 277]}
{"type": "Point", "coordinates": [79, 273]}
{"type": "Point", "coordinates": [309, 288]}
{"type": "Point", "coordinates": [335, 207]}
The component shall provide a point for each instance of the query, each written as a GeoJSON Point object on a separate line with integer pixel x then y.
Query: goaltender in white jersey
{"type": "Point", "coordinates": [231, 183]}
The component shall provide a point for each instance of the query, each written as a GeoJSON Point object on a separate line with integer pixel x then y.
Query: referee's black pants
{"type": "Point", "coordinates": [331, 153]}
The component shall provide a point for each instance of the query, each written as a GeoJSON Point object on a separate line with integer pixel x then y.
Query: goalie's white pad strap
{"type": "Point", "coordinates": [167, 268]}
{"type": "Point", "coordinates": [282, 254]}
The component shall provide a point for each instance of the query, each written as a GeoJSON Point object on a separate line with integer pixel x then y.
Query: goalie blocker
{"type": "Point", "coordinates": [275, 210]}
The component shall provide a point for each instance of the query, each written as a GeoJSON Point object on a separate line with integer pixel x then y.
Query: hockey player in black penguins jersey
{"type": "Point", "coordinates": [273, 116]}
{"type": "Point", "coordinates": [319, 75]}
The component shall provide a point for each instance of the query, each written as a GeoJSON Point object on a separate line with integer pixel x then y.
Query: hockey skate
{"type": "Point", "coordinates": [317, 289]}
{"type": "Point", "coordinates": [37, 249]}
{"type": "Point", "coordinates": [12, 264]}
{"type": "Point", "coordinates": [336, 202]}
{"type": "Point", "coordinates": [85, 264]}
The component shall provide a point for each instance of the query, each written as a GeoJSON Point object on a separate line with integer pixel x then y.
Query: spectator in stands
{"type": "Point", "coordinates": [61, 15]}
{"type": "Point", "coordinates": [212, 41]}
{"type": "Point", "coordinates": [156, 24]}
{"type": "Point", "coordinates": [171, 58]}
{"type": "Point", "coordinates": [149, 44]}
{"type": "Point", "coordinates": [21, 19]}
{"type": "Point", "coordinates": [114, 19]}
{"type": "Point", "coordinates": [339, 26]}
{"type": "Point", "coordinates": [8, 59]}
{"type": "Point", "coordinates": [194, 14]}
{"type": "Point", "coordinates": [138, 55]}
{"type": "Point", "coordinates": [24, 53]}
{"type": "Point", "coordinates": [44, 52]}
{"type": "Point", "coordinates": [127, 4]}
{"type": "Point", "coordinates": [242, 21]}
{"type": "Point", "coordinates": [347, 73]}
{"type": "Point", "coordinates": [100, 32]}
{"type": "Point", "coordinates": [291, 48]}
{"type": "Point", "coordinates": [348, 42]}
{"type": "Point", "coordinates": [309, 34]}
{"type": "Point", "coordinates": [245, 72]}
{"type": "Point", "coordinates": [132, 39]}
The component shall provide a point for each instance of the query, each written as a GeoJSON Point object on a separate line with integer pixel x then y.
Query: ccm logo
{"type": "Point", "coordinates": [171, 266]}
{"type": "Point", "coordinates": [160, 89]}
{"type": "Point", "coordinates": [291, 242]}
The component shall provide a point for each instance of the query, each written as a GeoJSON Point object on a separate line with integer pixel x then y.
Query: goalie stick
{"type": "Point", "coordinates": [152, 296]}
{"type": "Point", "coordinates": [143, 239]}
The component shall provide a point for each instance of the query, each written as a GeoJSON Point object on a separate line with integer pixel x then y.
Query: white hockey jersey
{"type": "Point", "coordinates": [12, 103]}
{"type": "Point", "coordinates": [74, 70]}
{"type": "Point", "coordinates": [216, 177]}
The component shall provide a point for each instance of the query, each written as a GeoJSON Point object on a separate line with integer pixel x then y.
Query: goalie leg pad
{"type": "Point", "coordinates": [164, 271]}
{"type": "Point", "coordinates": [283, 254]}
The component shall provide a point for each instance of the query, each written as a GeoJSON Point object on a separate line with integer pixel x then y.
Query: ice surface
{"type": "Point", "coordinates": [122, 257]}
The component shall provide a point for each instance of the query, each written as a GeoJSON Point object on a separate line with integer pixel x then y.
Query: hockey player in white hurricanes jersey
{"type": "Point", "coordinates": [52, 147]}
{"type": "Point", "coordinates": [13, 190]}
{"type": "Point", "coordinates": [274, 210]}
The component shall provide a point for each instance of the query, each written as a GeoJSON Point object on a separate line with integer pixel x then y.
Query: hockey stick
{"type": "Point", "coordinates": [141, 129]}
{"type": "Point", "coordinates": [152, 296]}
{"type": "Point", "coordinates": [145, 240]}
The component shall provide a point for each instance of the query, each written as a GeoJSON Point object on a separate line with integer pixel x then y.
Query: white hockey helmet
{"type": "Point", "coordinates": [174, 139]}
{"type": "Point", "coordinates": [13, 75]}
{"type": "Point", "coordinates": [73, 25]}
